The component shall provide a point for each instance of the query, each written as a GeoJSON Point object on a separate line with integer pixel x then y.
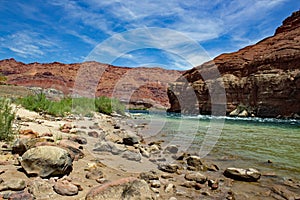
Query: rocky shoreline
{"type": "Point", "coordinates": [105, 157]}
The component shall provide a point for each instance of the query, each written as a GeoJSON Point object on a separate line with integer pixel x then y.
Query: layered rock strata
{"type": "Point", "coordinates": [262, 79]}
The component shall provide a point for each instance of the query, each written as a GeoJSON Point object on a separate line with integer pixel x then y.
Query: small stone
{"type": "Point", "coordinates": [213, 184]}
{"type": "Point", "coordinates": [181, 156]}
{"type": "Point", "coordinates": [101, 180]}
{"type": "Point", "coordinates": [126, 188]}
{"type": "Point", "coordinates": [14, 184]}
{"type": "Point", "coordinates": [155, 183]}
{"type": "Point", "coordinates": [130, 139]}
{"type": "Point", "coordinates": [95, 126]}
{"type": "Point", "coordinates": [130, 155]}
{"type": "Point", "coordinates": [249, 175]}
{"type": "Point", "coordinates": [213, 168]}
{"type": "Point", "coordinates": [195, 161]}
{"type": "Point", "coordinates": [195, 176]}
{"type": "Point", "coordinates": [41, 189]}
{"type": "Point", "coordinates": [166, 176]}
{"type": "Point", "coordinates": [66, 126]}
{"type": "Point", "coordinates": [73, 131]}
{"type": "Point", "coordinates": [94, 134]}
{"type": "Point", "coordinates": [117, 126]}
{"type": "Point", "coordinates": [22, 195]}
{"type": "Point", "coordinates": [28, 134]}
{"type": "Point", "coordinates": [170, 188]}
{"type": "Point", "coordinates": [172, 198]}
{"type": "Point", "coordinates": [19, 146]}
{"type": "Point", "coordinates": [147, 176]}
{"type": "Point", "coordinates": [205, 193]}
{"type": "Point", "coordinates": [94, 174]}
{"type": "Point", "coordinates": [65, 188]}
{"type": "Point", "coordinates": [170, 168]}
{"type": "Point", "coordinates": [154, 149]}
{"type": "Point", "coordinates": [155, 190]}
{"type": "Point", "coordinates": [191, 184]}
{"type": "Point", "coordinates": [171, 149]}
{"type": "Point", "coordinates": [73, 148]}
{"type": "Point", "coordinates": [78, 139]}
{"type": "Point", "coordinates": [144, 152]}
{"type": "Point", "coordinates": [64, 130]}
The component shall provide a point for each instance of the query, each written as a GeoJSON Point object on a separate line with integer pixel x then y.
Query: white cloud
{"type": "Point", "coordinates": [27, 44]}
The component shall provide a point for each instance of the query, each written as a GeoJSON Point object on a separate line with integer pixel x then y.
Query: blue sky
{"type": "Point", "coordinates": [71, 31]}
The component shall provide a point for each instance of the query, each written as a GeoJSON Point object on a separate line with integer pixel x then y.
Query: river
{"type": "Point", "coordinates": [270, 145]}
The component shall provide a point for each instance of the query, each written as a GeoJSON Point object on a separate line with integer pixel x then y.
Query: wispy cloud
{"type": "Point", "coordinates": [27, 44]}
{"type": "Point", "coordinates": [34, 29]}
{"type": "Point", "coordinates": [180, 47]}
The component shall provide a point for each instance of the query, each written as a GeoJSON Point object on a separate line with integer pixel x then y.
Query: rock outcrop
{"type": "Point", "coordinates": [263, 79]}
{"type": "Point", "coordinates": [141, 87]}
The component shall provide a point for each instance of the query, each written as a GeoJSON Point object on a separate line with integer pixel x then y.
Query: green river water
{"type": "Point", "coordinates": [237, 142]}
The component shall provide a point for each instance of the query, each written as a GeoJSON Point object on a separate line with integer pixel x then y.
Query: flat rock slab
{"type": "Point", "coordinates": [126, 188]}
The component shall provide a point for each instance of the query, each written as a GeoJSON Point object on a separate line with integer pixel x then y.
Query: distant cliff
{"type": "Point", "coordinates": [142, 87]}
{"type": "Point", "coordinates": [261, 79]}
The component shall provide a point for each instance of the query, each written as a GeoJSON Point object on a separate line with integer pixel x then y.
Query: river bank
{"type": "Point", "coordinates": [113, 157]}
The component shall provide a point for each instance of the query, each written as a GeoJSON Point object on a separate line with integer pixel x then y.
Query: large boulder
{"type": "Point", "coordinates": [46, 161]}
{"type": "Point", "coordinates": [127, 188]}
{"type": "Point", "coordinates": [249, 175]}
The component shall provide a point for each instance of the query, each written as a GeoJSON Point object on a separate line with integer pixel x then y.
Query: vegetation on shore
{"type": "Point", "coordinates": [82, 105]}
{"type": "Point", "coordinates": [7, 117]}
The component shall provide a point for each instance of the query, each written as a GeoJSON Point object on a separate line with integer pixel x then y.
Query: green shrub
{"type": "Point", "coordinates": [37, 103]}
{"type": "Point", "coordinates": [7, 117]}
{"type": "Point", "coordinates": [40, 103]}
{"type": "Point", "coordinates": [108, 105]}
{"type": "Point", "coordinates": [82, 105]}
{"type": "Point", "coordinates": [60, 108]}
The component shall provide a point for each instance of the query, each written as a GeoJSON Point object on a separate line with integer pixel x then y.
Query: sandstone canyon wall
{"type": "Point", "coordinates": [263, 79]}
{"type": "Point", "coordinates": [144, 87]}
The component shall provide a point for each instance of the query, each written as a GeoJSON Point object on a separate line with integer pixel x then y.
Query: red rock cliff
{"type": "Point", "coordinates": [263, 79]}
{"type": "Point", "coordinates": [138, 85]}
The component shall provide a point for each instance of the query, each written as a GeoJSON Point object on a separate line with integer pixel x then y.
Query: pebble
{"type": "Point", "coordinates": [155, 183]}
{"type": "Point", "coordinates": [170, 188]}
{"type": "Point", "coordinates": [65, 188]}
{"type": "Point", "coordinates": [93, 134]}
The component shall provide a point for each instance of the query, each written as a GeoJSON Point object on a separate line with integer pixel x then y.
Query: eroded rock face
{"type": "Point", "coordinates": [263, 79]}
{"type": "Point", "coordinates": [45, 161]}
{"type": "Point", "coordinates": [142, 87]}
